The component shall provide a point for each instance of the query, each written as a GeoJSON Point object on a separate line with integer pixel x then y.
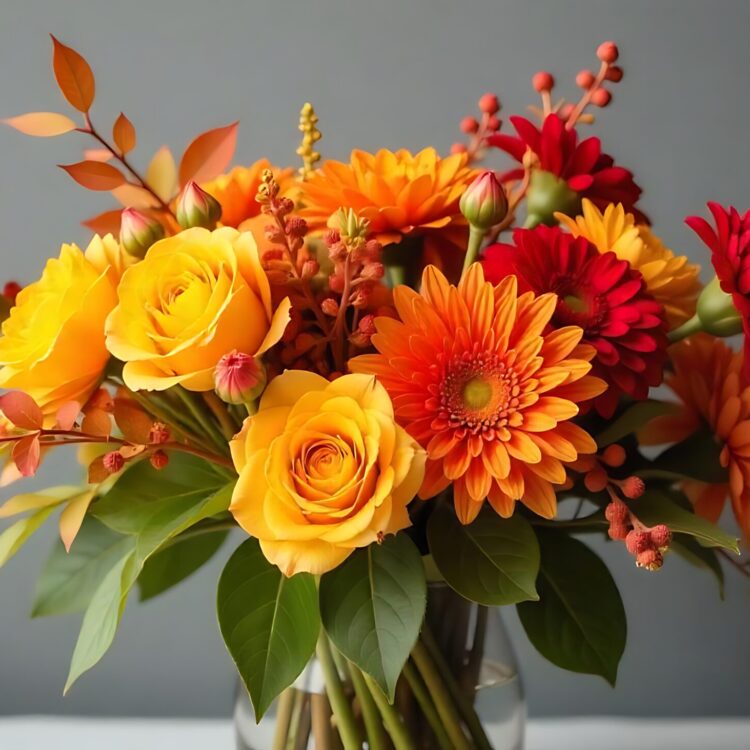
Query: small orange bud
{"type": "Point", "coordinates": [138, 232]}
{"type": "Point", "coordinates": [458, 148]}
{"type": "Point", "coordinates": [489, 104]}
{"type": "Point", "coordinates": [196, 208]}
{"type": "Point", "coordinates": [617, 513]}
{"type": "Point", "coordinates": [159, 433]}
{"type": "Point", "coordinates": [614, 74]}
{"type": "Point", "coordinates": [607, 52]}
{"type": "Point", "coordinates": [585, 79]}
{"type": "Point", "coordinates": [601, 98]}
{"type": "Point", "coordinates": [493, 124]}
{"type": "Point", "coordinates": [310, 268]}
{"type": "Point", "coordinates": [469, 125]}
{"type": "Point", "coordinates": [638, 541]}
{"type": "Point", "coordinates": [330, 307]}
{"type": "Point", "coordinates": [661, 536]}
{"type": "Point", "coordinates": [614, 455]}
{"type": "Point", "coordinates": [113, 462]}
{"type": "Point", "coordinates": [373, 271]}
{"type": "Point", "coordinates": [336, 283]}
{"type": "Point", "coordinates": [543, 81]}
{"type": "Point", "coordinates": [296, 226]}
{"type": "Point", "coordinates": [596, 480]}
{"type": "Point", "coordinates": [159, 460]}
{"type": "Point", "coordinates": [11, 290]}
{"type": "Point", "coordinates": [239, 378]}
{"type": "Point", "coordinates": [617, 531]}
{"type": "Point", "coordinates": [650, 559]}
{"type": "Point", "coordinates": [633, 487]}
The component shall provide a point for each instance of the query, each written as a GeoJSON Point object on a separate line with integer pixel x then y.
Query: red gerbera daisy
{"type": "Point", "coordinates": [729, 244]}
{"type": "Point", "coordinates": [598, 292]}
{"type": "Point", "coordinates": [586, 171]}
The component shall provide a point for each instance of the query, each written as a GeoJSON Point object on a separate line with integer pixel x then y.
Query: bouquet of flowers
{"type": "Point", "coordinates": [410, 382]}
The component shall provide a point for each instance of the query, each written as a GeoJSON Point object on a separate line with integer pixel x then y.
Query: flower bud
{"type": "Point", "coordinates": [543, 81]}
{"type": "Point", "coordinates": [607, 52]}
{"type": "Point", "coordinates": [585, 79]}
{"type": "Point", "coordinates": [617, 531]}
{"type": "Point", "coordinates": [159, 433]}
{"type": "Point", "coordinates": [493, 124]}
{"type": "Point", "coordinates": [373, 271]}
{"type": "Point", "coordinates": [614, 455]}
{"type": "Point", "coordinates": [159, 460]}
{"type": "Point", "coordinates": [716, 311]}
{"type": "Point", "coordinates": [601, 98]}
{"type": "Point", "coordinates": [11, 290]}
{"type": "Point", "coordinates": [113, 462]}
{"type": "Point", "coordinates": [469, 125]}
{"type": "Point", "coordinates": [138, 232]}
{"type": "Point", "coordinates": [633, 487]}
{"type": "Point", "coordinates": [310, 268]}
{"type": "Point", "coordinates": [484, 203]}
{"type": "Point", "coordinates": [638, 542]}
{"type": "Point", "coordinates": [650, 559]}
{"type": "Point", "coordinates": [196, 208]}
{"type": "Point", "coordinates": [239, 378]}
{"type": "Point", "coordinates": [661, 536]}
{"type": "Point", "coordinates": [489, 104]}
{"type": "Point", "coordinates": [614, 74]}
{"type": "Point", "coordinates": [546, 195]}
{"type": "Point", "coordinates": [330, 307]}
{"type": "Point", "coordinates": [458, 148]}
{"type": "Point", "coordinates": [617, 513]}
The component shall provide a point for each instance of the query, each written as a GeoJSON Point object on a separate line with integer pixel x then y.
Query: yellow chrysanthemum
{"type": "Point", "coordinates": [670, 278]}
{"type": "Point", "coordinates": [237, 189]}
{"type": "Point", "coordinates": [401, 194]}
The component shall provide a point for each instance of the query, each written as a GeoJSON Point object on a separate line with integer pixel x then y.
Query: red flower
{"type": "Point", "coordinates": [585, 169]}
{"type": "Point", "coordinates": [598, 292]}
{"type": "Point", "coordinates": [729, 243]}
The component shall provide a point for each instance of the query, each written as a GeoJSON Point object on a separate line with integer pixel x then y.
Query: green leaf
{"type": "Point", "coordinates": [632, 419]}
{"type": "Point", "coordinates": [655, 507]}
{"type": "Point", "coordinates": [579, 621]}
{"type": "Point", "coordinates": [69, 579]}
{"type": "Point", "coordinates": [151, 512]}
{"type": "Point", "coordinates": [702, 557]}
{"type": "Point", "coordinates": [175, 563]}
{"type": "Point", "coordinates": [694, 458]}
{"type": "Point", "coordinates": [16, 535]}
{"type": "Point", "coordinates": [372, 607]}
{"type": "Point", "coordinates": [492, 561]}
{"type": "Point", "coordinates": [270, 623]}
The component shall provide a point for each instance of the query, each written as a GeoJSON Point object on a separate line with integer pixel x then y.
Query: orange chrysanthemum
{"type": "Point", "coordinates": [707, 380]}
{"type": "Point", "coordinates": [670, 279]}
{"type": "Point", "coordinates": [478, 379]}
{"type": "Point", "coordinates": [401, 194]}
{"type": "Point", "coordinates": [237, 189]}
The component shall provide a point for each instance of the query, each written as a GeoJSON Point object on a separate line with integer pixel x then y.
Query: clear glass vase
{"type": "Point", "coordinates": [464, 655]}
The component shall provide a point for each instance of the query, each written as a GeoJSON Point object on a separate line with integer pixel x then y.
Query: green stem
{"type": "Point", "coordinates": [465, 706]}
{"type": "Point", "coordinates": [218, 407]}
{"type": "Point", "coordinates": [205, 422]}
{"type": "Point", "coordinates": [688, 328]}
{"type": "Point", "coordinates": [376, 739]}
{"type": "Point", "coordinates": [283, 719]}
{"type": "Point", "coordinates": [595, 519]}
{"type": "Point", "coordinates": [342, 710]}
{"type": "Point", "coordinates": [476, 236]}
{"type": "Point", "coordinates": [427, 706]}
{"type": "Point", "coordinates": [444, 701]}
{"type": "Point", "coordinates": [397, 730]}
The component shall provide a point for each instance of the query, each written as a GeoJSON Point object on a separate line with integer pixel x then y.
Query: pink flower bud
{"type": "Point", "coordinates": [239, 378]}
{"type": "Point", "coordinates": [493, 124]}
{"type": "Point", "coordinates": [617, 531]}
{"type": "Point", "coordinates": [489, 104]}
{"type": "Point", "coordinates": [616, 513]}
{"type": "Point", "coordinates": [661, 536]}
{"type": "Point", "coordinates": [367, 325]}
{"type": "Point", "coordinates": [650, 559]}
{"type": "Point", "coordinates": [196, 208]}
{"type": "Point", "coordinates": [331, 237]}
{"type": "Point", "coordinates": [159, 433]}
{"type": "Point", "coordinates": [614, 74]}
{"type": "Point", "coordinates": [607, 52]}
{"type": "Point", "coordinates": [543, 81]}
{"type": "Point", "coordinates": [638, 542]}
{"type": "Point", "coordinates": [469, 125]}
{"type": "Point", "coordinates": [633, 487]}
{"type": "Point", "coordinates": [484, 202]}
{"type": "Point", "coordinates": [330, 307]}
{"type": "Point", "coordinates": [585, 79]}
{"type": "Point", "coordinates": [310, 268]}
{"type": "Point", "coordinates": [296, 226]}
{"type": "Point", "coordinates": [113, 462]}
{"type": "Point", "coordinates": [336, 283]}
{"type": "Point", "coordinates": [614, 455]}
{"type": "Point", "coordinates": [138, 232]}
{"type": "Point", "coordinates": [159, 460]}
{"type": "Point", "coordinates": [11, 290]}
{"type": "Point", "coordinates": [373, 271]}
{"type": "Point", "coordinates": [601, 98]}
{"type": "Point", "coordinates": [458, 148]}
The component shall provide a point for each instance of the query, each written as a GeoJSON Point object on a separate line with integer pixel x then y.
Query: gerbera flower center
{"type": "Point", "coordinates": [477, 393]}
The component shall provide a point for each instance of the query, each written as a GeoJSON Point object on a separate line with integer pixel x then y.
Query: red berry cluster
{"type": "Point", "coordinates": [479, 129]}
{"type": "Point", "coordinates": [647, 545]}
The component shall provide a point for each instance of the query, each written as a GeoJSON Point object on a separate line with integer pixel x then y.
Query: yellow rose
{"type": "Point", "coordinates": [52, 345]}
{"type": "Point", "coordinates": [323, 469]}
{"type": "Point", "coordinates": [192, 299]}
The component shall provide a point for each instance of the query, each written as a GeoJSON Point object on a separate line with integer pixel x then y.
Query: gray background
{"type": "Point", "coordinates": [380, 73]}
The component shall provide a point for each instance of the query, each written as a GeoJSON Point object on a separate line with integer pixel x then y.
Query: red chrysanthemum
{"type": "Point", "coordinates": [729, 243]}
{"type": "Point", "coordinates": [587, 171]}
{"type": "Point", "coordinates": [598, 292]}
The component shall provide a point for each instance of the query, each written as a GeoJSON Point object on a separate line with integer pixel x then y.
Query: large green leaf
{"type": "Point", "coordinates": [270, 623]}
{"type": "Point", "coordinates": [655, 507]}
{"type": "Point", "coordinates": [694, 458]}
{"type": "Point", "coordinates": [632, 419]}
{"type": "Point", "coordinates": [579, 621]}
{"type": "Point", "coordinates": [702, 557]}
{"type": "Point", "coordinates": [69, 579]}
{"type": "Point", "coordinates": [160, 511]}
{"type": "Point", "coordinates": [17, 534]}
{"type": "Point", "coordinates": [175, 563]}
{"type": "Point", "coordinates": [373, 605]}
{"type": "Point", "coordinates": [492, 561]}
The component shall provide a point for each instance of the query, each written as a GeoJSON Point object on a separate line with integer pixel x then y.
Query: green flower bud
{"type": "Point", "coordinates": [196, 208]}
{"type": "Point", "coordinates": [484, 202]}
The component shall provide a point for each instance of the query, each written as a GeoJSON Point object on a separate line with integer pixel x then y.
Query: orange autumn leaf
{"type": "Point", "coordinates": [73, 75]}
{"type": "Point", "coordinates": [132, 421]}
{"type": "Point", "coordinates": [41, 124]}
{"type": "Point", "coordinates": [72, 517]}
{"type": "Point", "coordinates": [161, 174]}
{"type": "Point", "coordinates": [27, 454]}
{"type": "Point", "coordinates": [134, 196]}
{"type": "Point", "coordinates": [67, 414]}
{"type": "Point", "coordinates": [209, 154]}
{"type": "Point", "coordinates": [97, 472]}
{"type": "Point", "coordinates": [97, 422]}
{"type": "Point", "coordinates": [21, 410]}
{"type": "Point", "coordinates": [107, 222]}
{"type": "Point", "coordinates": [97, 154]}
{"type": "Point", "coordinates": [123, 134]}
{"type": "Point", "coordinates": [95, 175]}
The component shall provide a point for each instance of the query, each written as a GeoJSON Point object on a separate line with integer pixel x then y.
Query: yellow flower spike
{"type": "Point", "coordinates": [308, 125]}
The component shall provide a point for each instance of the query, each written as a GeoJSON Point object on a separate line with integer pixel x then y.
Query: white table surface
{"type": "Point", "coordinates": [46, 732]}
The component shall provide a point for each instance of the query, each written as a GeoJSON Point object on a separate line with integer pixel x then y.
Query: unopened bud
{"type": "Point", "coordinates": [638, 542]}
{"type": "Point", "coordinates": [310, 268]}
{"type": "Point", "coordinates": [373, 271]}
{"type": "Point", "coordinates": [296, 226]}
{"type": "Point", "coordinates": [585, 79]}
{"type": "Point", "coordinates": [489, 104]}
{"type": "Point", "coordinates": [650, 559]}
{"type": "Point", "coordinates": [661, 536]}
{"type": "Point", "coordinates": [138, 232]}
{"type": "Point", "coordinates": [614, 455]}
{"type": "Point", "coordinates": [239, 378]}
{"type": "Point", "coordinates": [493, 124]}
{"type": "Point", "coordinates": [617, 513]}
{"type": "Point", "coordinates": [113, 462]}
{"type": "Point", "coordinates": [469, 125]}
{"type": "Point", "coordinates": [484, 202]}
{"type": "Point", "coordinates": [596, 480]}
{"type": "Point", "coordinates": [330, 307]}
{"type": "Point", "coordinates": [607, 52]}
{"type": "Point", "coordinates": [617, 531]}
{"type": "Point", "coordinates": [601, 98]}
{"type": "Point", "coordinates": [159, 460]}
{"type": "Point", "coordinates": [336, 283]}
{"type": "Point", "coordinates": [159, 433]}
{"type": "Point", "coordinates": [543, 81]}
{"type": "Point", "coordinates": [11, 290]}
{"type": "Point", "coordinates": [716, 311]}
{"type": "Point", "coordinates": [633, 487]}
{"type": "Point", "coordinates": [196, 208]}
{"type": "Point", "coordinates": [458, 148]}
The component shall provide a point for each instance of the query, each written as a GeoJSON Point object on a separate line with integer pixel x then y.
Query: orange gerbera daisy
{"type": "Point", "coordinates": [237, 189]}
{"type": "Point", "coordinates": [478, 379]}
{"type": "Point", "coordinates": [707, 380]}
{"type": "Point", "coordinates": [401, 194]}
{"type": "Point", "coordinates": [670, 279]}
